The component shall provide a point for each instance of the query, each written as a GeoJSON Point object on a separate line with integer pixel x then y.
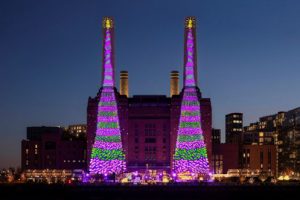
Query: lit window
{"type": "Point", "coordinates": [237, 121]}
{"type": "Point", "coordinates": [261, 134]}
{"type": "Point", "coordinates": [36, 146]}
{"type": "Point", "coordinates": [27, 151]}
{"type": "Point", "coordinates": [35, 151]}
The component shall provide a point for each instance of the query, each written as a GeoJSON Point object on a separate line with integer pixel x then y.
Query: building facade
{"type": "Point", "coordinates": [281, 130]}
{"type": "Point", "coordinates": [77, 130]}
{"type": "Point", "coordinates": [52, 148]}
{"type": "Point", "coordinates": [225, 156]}
{"type": "Point", "coordinates": [260, 157]}
{"type": "Point", "coordinates": [149, 126]}
{"type": "Point", "coordinates": [215, 136]}
{"type": "Point", "coordinates": [148, 132]}
{"type": "Point", "coordinates": [234, 127]}
{"type": "Point", "coordinates": [288, 140]}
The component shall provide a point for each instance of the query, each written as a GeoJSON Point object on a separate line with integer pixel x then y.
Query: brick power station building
{"type": "Point", "coordinates": [149, 123]}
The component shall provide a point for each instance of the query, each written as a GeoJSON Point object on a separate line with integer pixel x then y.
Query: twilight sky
{"type": "Point", "coordinates": [50, 57]}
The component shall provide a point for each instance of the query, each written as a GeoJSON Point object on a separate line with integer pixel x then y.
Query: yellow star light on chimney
{"type": "Point", "coordinates": [190, 23]}
{"type": "Point", "coordinates": [107, 23]}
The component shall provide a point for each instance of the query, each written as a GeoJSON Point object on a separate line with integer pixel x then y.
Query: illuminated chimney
{"type": "Point", "coordinates": [124, 83]}
{"type": "Point", "coordinates": [174, 82]}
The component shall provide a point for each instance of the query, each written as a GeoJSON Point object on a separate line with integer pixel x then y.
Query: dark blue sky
{"type": "Point", "coordinates": [50, 57]}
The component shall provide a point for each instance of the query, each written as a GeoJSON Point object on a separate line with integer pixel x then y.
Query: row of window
{"type": "Point", "coordinates": [74, 161]}
{"type": "Point", "coordinates": [246, 160]}
{"type": "Point", "coordinates": [217, 163]}
{"type": "Point", "coordinates": [237, 129]}
{"type": "Point", "coordinates": [150, 132]}
{"type": "Point", "coordinates": [237, 121]}
{"type": "Point", "coordinates": [150, 153]}
{"type": "Point", "coordinates": [149, 140]}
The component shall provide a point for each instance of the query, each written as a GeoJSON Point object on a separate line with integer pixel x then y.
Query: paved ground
{"type": "Point", "coordinates": [182, 192]}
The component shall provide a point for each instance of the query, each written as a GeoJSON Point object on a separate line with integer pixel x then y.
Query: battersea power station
{"type": "Point", "coordinates": [149, 132]}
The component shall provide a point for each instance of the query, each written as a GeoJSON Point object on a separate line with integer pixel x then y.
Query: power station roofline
{"type": "Point", "coordinates": [149, 95]}
{"type": "Point", "coordinates": [234, 113]}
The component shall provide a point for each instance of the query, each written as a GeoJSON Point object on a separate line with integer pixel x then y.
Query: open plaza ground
{"type": "Point", "coordinates": [174, 191]}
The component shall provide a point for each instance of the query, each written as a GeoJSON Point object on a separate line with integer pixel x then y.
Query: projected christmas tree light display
{"type": "Point", "coordinates": [190, 153]}
{"type": "Point", "coordinates": [107, 153]}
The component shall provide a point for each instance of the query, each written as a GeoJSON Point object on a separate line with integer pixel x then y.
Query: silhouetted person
{"type": "Point", "coordinates": [114, 177]}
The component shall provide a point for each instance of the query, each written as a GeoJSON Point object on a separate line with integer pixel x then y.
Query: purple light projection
{"type": "Point", "coordinates": [107, 153]}
{"type": "Point", "coordinates": [108, 68]}
{"type": "Point", "coordinates": [190, 153]}
{"type": "Point", "coordinates": [189, 66]}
